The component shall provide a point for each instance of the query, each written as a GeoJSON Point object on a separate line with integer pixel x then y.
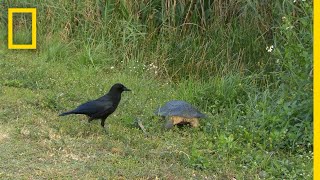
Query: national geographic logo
{"type": "Point", "coordinates": [33, 12]}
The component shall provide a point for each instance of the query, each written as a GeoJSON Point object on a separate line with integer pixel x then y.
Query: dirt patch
{"type": "Point", "coordinates": [3, 136]}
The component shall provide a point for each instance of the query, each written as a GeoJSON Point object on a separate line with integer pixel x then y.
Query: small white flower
{"type": "Point", "coordinates": [283, 18]}
{"type": "Point", "coordinates": [269, 49]}
{"type": "Point", "coordinates": [289, 27]}
{"type": "Point", "coordinates": [112, 67]}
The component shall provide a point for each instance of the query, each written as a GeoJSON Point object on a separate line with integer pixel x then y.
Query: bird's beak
{"type": "Point", "coordinates": [126, 89]}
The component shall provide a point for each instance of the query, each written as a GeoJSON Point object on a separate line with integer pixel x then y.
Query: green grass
{"type": "Point", "coordinates": [259, 103]}
{"type": "Point", "coordinates": [35, 142]}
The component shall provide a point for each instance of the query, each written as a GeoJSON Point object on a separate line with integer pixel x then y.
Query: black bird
{"type": "Point", "coordinates": [102, 107]}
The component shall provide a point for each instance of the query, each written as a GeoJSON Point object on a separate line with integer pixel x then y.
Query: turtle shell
{"type": "Point", "coordinates": [179, 108]}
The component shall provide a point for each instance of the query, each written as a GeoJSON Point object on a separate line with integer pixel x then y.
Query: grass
{"type": "Point", "coordinates": [35, 142]}
{"type": "Point", "coordinates": [259, 103]}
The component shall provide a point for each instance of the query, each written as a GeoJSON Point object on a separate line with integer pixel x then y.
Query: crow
{"type": "Point", "coordinates": [102, 107]}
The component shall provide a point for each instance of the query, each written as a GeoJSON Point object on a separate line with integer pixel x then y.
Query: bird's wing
{"type": "Point", "coordinates": [93, 107]}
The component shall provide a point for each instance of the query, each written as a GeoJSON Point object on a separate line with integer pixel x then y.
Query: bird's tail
{"type": "Point", "coordinates": [66, 113]}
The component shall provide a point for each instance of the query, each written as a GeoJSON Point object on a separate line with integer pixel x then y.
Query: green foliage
{"type": "Point", "coordinates": [293, 56]}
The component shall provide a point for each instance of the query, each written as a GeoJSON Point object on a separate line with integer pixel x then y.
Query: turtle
{"type": "Point", "coordinates": [179, 112]}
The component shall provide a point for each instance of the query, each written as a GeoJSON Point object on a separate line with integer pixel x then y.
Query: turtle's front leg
{"type": "Point", "coordinates": [169, 124]}
{"type": "Point", "coordinates": [194, 122]}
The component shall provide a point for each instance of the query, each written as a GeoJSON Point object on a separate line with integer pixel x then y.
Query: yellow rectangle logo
{"type": "Point", "coordinates": [33, 44]}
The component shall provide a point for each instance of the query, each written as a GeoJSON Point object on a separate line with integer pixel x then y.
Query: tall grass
{"type": "Point", "coordinates": [206, 38]}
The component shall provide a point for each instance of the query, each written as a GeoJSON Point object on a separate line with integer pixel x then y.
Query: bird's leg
{"type": "Point", "coordinates": [103, 125]}
{"type": "Point", "coordinates": [90, 119]}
